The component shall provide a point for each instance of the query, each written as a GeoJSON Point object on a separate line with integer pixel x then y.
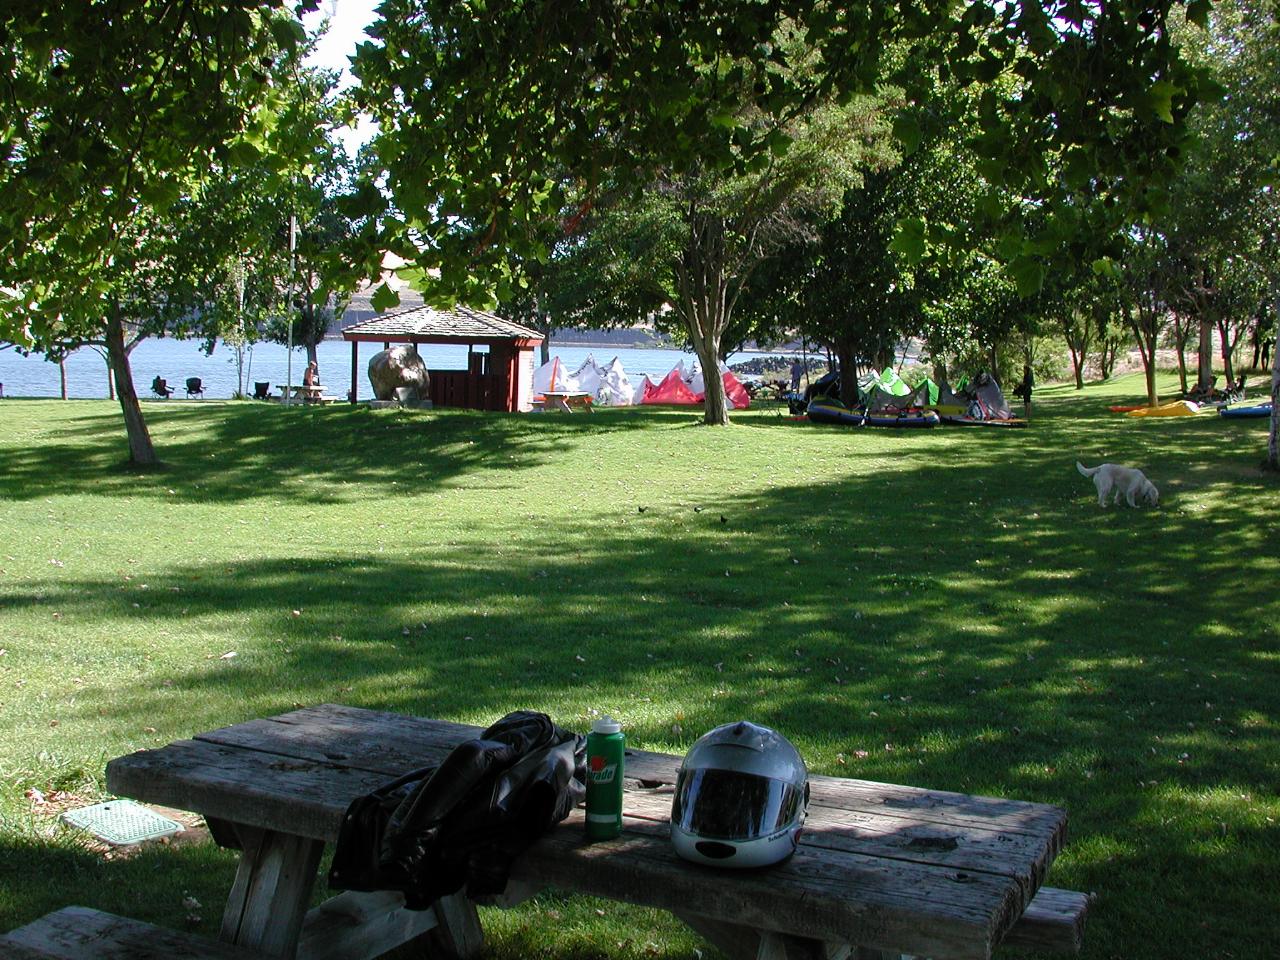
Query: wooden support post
{"type": "Point", "coordinates": [746, 943]}
{"type": "Point", "coordinates": [272, 888]}
{"type": "Point", "coordinates": [355, 369]}
{"type": "Point", "coordinates": [457, 934]}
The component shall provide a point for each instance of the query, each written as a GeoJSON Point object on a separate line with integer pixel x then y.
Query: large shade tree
{"type": "Point", "coordinates": [1239, 156]}
{"type": "Point", "coordinates": [114, 117]}
{"type": "Point", "coordinates": [493, 117]}
{"type": "Point", "coordinates": [693, 241]}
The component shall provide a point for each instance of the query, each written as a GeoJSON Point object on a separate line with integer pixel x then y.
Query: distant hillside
{"type": "Point", "coordinates": [626, 337]}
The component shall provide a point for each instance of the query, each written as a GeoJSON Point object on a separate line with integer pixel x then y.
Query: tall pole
{"type": "Point", "coordinates": [288, 379]}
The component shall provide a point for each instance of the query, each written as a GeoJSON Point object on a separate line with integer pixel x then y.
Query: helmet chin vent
{"type": "Point", "coordinates": [715, 851]}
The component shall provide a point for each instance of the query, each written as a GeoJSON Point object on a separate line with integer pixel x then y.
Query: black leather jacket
{"type": "Point", "coordinates": [435, 830]}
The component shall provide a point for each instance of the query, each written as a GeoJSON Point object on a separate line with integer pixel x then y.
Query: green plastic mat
{"type": "Point", "coordinates": [122, 822]}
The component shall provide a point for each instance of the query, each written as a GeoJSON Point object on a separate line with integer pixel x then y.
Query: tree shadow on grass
{"type": "Point", "coordinates": [241, 452]}
{"type": "Point", "coordinates": [971, 622]}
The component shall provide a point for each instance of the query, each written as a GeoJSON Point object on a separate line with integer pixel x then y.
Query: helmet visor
{"type": "Point", "coordinates": [729, 805]}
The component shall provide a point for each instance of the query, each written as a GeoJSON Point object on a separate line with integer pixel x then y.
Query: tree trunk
{"type": "Point", "coordinates": [1227, 348]}
{"type": "Point", "coordinates": [1078, 344]}
{"type": "Point", "coordinates": [1180, 329]}
{"type": "Point", "coordinates": [1107, 358]}
{"type": "Point", "coordinates": [847, 361]}
{"type": "Point", "coordinates": [1146, 331]}
{"type": "Point", "coordinates": [1273, 441]}
{"type": "Point", "coordinates": [1204, 359]}
{"type": "Point", "coordinates": [705, 307]}
{"type": "Point", "coordinates": [716, 403]}
{"type": "Point", "coordinates": [62, 377]}
{"type": "Point", "coordinates": [141, 451]}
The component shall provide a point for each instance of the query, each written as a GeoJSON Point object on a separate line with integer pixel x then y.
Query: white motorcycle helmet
{"type": "Point", "coordinates": [741, 797]}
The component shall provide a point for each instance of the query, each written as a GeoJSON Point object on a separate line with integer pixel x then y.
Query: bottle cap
{"type": "Point", "coordinates": [606, 725]}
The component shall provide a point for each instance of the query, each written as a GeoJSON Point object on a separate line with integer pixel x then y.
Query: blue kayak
{"type": "Point", "coordinates": [1260, 410]}
{"type": "Point", "coordinates": [826, 410]}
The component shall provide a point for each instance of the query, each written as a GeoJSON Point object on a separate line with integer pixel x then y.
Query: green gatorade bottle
{"type": "Point", "coordinates": [605, 748]}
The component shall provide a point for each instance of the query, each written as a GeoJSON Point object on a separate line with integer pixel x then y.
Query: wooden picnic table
{"type": "Point", "coordinates": [300, 391]}
{"type": "Point", "coordinates": [882, 869]}
{"type": "Point", "coordinates": [566, 400]}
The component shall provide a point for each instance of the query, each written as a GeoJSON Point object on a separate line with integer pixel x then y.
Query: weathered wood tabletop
{"type": "Point", "coordinates": [880, 866]}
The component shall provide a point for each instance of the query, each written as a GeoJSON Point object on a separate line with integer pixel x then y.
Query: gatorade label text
{"type": "Point", "coordinates": [602, 773]}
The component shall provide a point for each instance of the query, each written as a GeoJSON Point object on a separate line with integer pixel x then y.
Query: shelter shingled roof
{"type": "Point", "coordinates": [427, 324]}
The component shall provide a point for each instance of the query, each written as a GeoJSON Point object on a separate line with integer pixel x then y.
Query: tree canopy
{"type": "Point", "coordinates": [493, 116]}
{"type": "Point", "coordinates": [112, 127]}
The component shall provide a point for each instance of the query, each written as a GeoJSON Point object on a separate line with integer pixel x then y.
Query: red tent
{"type": "Point", "coordinates": [737, 394]}
{"type": "Point", "coordinates": [671, 389]}
{"type": "Point", "coordinates": [735, 391]}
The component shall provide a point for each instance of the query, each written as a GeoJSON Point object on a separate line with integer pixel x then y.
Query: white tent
{"type": "Point", "coordinates": [590, 377]}
{"type": "Point", "coordinates": [616, 389]}
{"type": "Point", "coordinates": [695, 380]}
{"type": "Point", "coordinates": [553, 376]}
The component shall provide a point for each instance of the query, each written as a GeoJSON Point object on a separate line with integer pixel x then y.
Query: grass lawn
{"type": "Point", "coordinates": [945, 608]}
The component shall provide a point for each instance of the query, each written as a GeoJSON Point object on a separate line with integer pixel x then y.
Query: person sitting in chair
{"type": "Point", "coordinates": [1201, 392]}
{"type": "Point", "coordinates": [160, 388]}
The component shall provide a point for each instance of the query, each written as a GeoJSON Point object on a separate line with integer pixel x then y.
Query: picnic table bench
{"type": "Point", "coordinates": [881, 870]}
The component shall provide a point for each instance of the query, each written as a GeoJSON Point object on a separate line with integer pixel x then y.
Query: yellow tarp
{"type": "Point", "coordinates": [1179, 408]}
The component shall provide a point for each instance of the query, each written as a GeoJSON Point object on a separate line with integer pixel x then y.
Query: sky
{"type": "Point", "coordinates": [348, 18]}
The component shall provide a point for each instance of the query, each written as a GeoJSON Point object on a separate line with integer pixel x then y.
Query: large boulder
{"type": "Point", "coordinates": [401, 366]}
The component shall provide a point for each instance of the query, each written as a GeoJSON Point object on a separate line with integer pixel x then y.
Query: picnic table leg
{"type": "Point", "coordinates": [741, 942]}
{"type": "Point", "coordinates": [271, 892]}
{"type": "Point", "coordinates": [457, 934]}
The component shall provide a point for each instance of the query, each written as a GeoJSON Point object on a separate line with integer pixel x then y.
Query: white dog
{"type": "Point", "coordinates": [1128, 482]}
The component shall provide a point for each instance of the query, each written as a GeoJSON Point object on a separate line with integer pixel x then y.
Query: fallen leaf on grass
{"type": "Point", "coordinates": [228, 655]}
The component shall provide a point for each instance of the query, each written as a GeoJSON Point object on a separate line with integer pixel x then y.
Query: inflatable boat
{"type": "Point", "coordinates": [905, 418]}
{"type": "Point", "coordinates": [827, 410]}
{"type": "Point", "coordinates": [1256, 410]}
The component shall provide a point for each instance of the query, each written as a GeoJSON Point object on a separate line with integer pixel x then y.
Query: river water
{"type": "Point", "coordinates": [176, 360]}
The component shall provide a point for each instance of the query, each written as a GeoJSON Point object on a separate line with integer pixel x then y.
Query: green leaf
{"type": "Point", "coordinates": [1106, 267]}
{"type": "Point", "coordinates": [243, 154]}
{"type": "Point", "coordinates": [779, 143]}
{"type": "Point", "coordinates": [288, 33]}
{"type": "Point", "coordinates": [384, 298]}
{"type": "Point", "coordinates": [907, 131]}
{"type": "Point", "coordinates": [1198, 13]}
{"type": "Point", "coordinates": [908, 239]}
{"type": "Point", "coordinates": [1160, 97]}
{"type": "Point", "coordinates": [1009, 244]}
{"type": "Point", "coordinates": [1028, 274]}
